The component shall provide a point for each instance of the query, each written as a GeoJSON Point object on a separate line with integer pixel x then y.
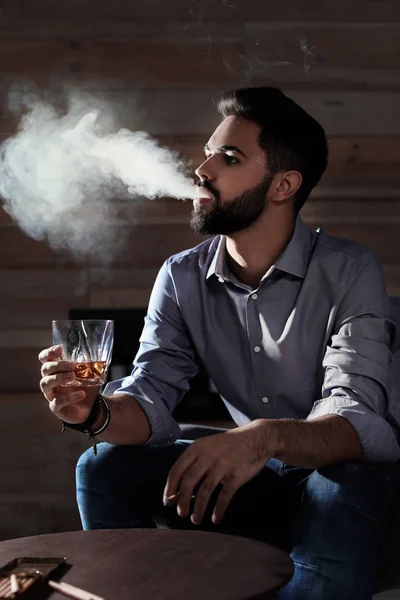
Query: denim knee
{"type": "Point", "coordinates": [122, 485]}
{"type": "Point", "coordinates": [109, 487]}
{"type": "Point", "coordinates": [98, 470]}
{"type": "Point", "coordinates": [126, 467]}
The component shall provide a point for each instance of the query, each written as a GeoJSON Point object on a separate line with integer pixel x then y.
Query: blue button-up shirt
{"type": "Point", "coordinates": [312, 339]}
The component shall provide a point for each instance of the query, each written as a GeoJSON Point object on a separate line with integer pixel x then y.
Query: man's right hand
{"type": "Point", "coordinates": [70, 403]}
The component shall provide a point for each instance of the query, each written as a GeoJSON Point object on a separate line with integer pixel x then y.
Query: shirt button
{"type": "Point", "coordinates": [256, 348]}
{"type": "Point", "coordinates": [265, 399]}
{"type": "Point", "coordinates": [254, 296]}
{"type": "Point", "coordinates": [221, 279]}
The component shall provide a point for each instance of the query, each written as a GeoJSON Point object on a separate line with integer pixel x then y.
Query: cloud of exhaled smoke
{"type": "Point", "coordinates": [62, 171]}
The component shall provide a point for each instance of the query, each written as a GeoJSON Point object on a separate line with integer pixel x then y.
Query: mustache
{"type": "Point", "coordinates": [206, 186]}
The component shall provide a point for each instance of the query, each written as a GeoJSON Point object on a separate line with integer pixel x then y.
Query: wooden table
{"type": "Point", "coordinates": [152, 564]}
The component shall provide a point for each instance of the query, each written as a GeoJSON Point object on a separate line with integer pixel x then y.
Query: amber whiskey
{"type": "Point", "coordinates": [90, 373]}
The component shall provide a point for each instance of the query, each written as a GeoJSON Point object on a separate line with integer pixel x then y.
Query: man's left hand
{"type": "Point", "coordinates": [231, 459]}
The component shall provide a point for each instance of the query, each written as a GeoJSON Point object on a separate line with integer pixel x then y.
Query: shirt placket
{"type": "Point", "coordinates": [257, 352]}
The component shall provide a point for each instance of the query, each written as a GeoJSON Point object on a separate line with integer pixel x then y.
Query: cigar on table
{"type": "Point", "coordinates": [73, 592]}
{"type": "Point", "coordinates": [14, 583]}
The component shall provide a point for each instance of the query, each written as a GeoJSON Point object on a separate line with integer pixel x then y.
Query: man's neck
{"type": "Point", "coordinates": [253, 251]}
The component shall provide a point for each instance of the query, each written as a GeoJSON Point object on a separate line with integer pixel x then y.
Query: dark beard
{"type": "Point", "coordinates": [238, 214]}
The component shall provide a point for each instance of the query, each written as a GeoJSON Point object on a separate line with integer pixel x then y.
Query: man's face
{"type": "Point", "coordinates": [233, 180]}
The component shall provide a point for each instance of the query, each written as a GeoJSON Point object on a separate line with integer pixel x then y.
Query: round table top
{"type": "Point", "coordinates": [160, 564]}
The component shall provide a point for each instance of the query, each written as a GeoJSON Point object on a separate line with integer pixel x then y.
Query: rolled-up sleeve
{"type": "Point", "coordinates": [163, 365]}
{"type": "Point", "coordinates": [357, 361]}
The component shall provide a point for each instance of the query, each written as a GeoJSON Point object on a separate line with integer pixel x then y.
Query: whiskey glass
{"type": "Point", "coordinates": [89, 344]}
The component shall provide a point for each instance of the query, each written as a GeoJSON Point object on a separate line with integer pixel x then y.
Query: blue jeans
{"type": "Point", "coordinates": [328, 519]}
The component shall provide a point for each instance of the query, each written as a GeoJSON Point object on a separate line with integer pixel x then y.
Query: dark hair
{"type": "Point", "coordinates": [290, 137]}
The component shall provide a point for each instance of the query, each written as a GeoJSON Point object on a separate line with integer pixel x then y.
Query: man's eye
{"type": "Point", "coordinates": [230, 160]}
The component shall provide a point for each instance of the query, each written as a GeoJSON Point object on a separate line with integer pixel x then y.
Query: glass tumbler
{"type": "Point", "coordinates": [89, 344]}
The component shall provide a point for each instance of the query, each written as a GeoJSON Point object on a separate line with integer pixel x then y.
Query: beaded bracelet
{"type": "Point", "coordinates": [87, 426]}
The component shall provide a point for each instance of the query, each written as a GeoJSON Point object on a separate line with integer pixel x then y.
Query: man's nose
{"type": "Point", "coordinates": [205, 171]}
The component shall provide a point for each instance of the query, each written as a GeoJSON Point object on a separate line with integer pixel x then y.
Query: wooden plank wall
{"type": "Point", "coordinates": [160, 66]}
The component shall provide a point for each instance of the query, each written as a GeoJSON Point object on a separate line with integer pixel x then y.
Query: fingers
{"type": "Point", "coordinates": [176, 473]}
{"type": "Point", "coordinates": [203, 495]}
{"type": "Point", "coordinates": [50, 382]}
{"type": "Point", "coordinates": [186, 489]}
{"type": "Point", "coordinates": [51, 367]}
{"type": "Point", "coordinates": [196, 467]}
{"type": "Point", "coordinates": [229, 488]}
{"type": "Point", "coordinates": [50, 354]}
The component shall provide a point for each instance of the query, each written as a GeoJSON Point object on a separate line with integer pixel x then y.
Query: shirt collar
{"type": "Point", "coordinates": [294, 259]}
{"type": "Point", "coordinates": [218, 265]}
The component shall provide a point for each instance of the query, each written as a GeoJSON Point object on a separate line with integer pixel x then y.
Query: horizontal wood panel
{"type": "Point", "coordinates": [26, 313]}
{"type": "Point", "coordinates": [336, 45]}
{"type": "Point", "coordinates": [115, 63]}
{"type": "Point", "coordinates": [188, 112]}
{"type": "Point", "coordinates": [338, 55]}
{"type": "Point", "coordinates": [31, 298]}
{"type": "Point", "coordinates": [121, 288]}
{"type": "Point", "coordinates": [20, 370]}
{"type": "Point", "coordinates": [38, 517]}
{"type": "Point", "coordinates": [44, 283]}
{"type": "Point", "coordinates": [26, 338]}
{"type": "Point", "coordinates": [38, 476]}
{"type": "Point", "coordinates": [352, 213]}
{"type": "Point", "coordinates": [15, 11]}
{"type": "Point", "coordinates": [34, 406]}
{"type": "Point", "coordinates": [120, 298]}
{"type": "Point", "coordinates": [35, 62]}
{"type": "Point", "coordinates": [315, 76]}
{"type": "Point", "coordinates": [18, 250]}
{"type": "Point", "coordinates": [146, 247]}
{"type": "Point", "coordinates": [120, 278]}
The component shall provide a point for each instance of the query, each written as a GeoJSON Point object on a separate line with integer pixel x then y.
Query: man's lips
{"type": "Point", "coordinates": [203, 200]}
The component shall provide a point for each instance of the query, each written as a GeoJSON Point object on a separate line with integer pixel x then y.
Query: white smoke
{"type": "Point", "coordinates": [62, 171]}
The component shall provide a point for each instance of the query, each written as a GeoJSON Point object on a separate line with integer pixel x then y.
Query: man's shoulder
{"type": "Point", "coordinates": [198, 257]}
{"type": "Point", "coordinates": [335, 245]}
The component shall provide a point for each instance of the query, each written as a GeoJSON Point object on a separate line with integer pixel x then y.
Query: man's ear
{"type": "Point", "coordinates": [287, 185]}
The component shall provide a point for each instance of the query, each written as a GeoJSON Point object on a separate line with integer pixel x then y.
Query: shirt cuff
{"type": "Point", "coordinates": [377, 438]}
{"type": "Point", "coordinates": [164, 429]}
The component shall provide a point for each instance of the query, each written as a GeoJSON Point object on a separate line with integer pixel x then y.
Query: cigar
{"type": "Point", "coordinates": [73, 592]}
{"type": "Point", "coordinates": [14, 584]}
{"type": "Point", "coordinates": [169, 500]}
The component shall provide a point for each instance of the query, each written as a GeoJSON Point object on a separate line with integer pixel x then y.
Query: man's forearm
{"type": "Point", "coordinates": [128, 425]}
{"type": "Point", "coordinates": [311, 444]}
